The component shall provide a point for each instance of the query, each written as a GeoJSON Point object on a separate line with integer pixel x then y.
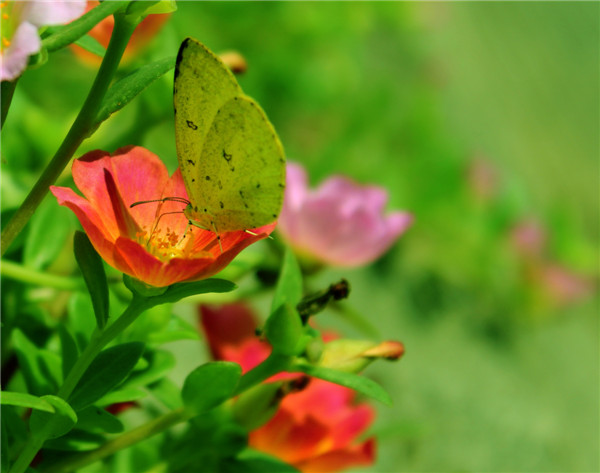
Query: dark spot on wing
{"type": "Point", "coordinates": [191, 162]}
{"type": "Point", "coordinates": [242, 194]}
{"type": "Point", "coordinates": [219, 184]}
{"type": "Point", "coordinates": [207, 178]}
{"type": "Point", "coordinates": [191, 125]}
{"type": "Point", "coordinates": [227, 156]}
{"type": "Point", "coordinates": [221, 204]}
{"type": "Point", "coordinates": [258, 185]}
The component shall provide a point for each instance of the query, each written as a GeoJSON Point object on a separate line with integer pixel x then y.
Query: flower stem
{"type": "Point", "coordinates": [132, 437]}
{"type": "Point", "coordinates": [21, 273]}
{"type": "Point", "coordinates": [98, 341]}
{"type": "Point", "coordinates": [8, 89]}
{"type": "Point", "coordinates": [272, 365]}
{"type": "Point", "coordinates": [80, 130]}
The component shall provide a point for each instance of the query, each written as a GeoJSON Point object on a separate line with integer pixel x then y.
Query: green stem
{"type": "Point", "coordinates": [8, 89]}
{"type": "Point", "coordinates": [132, 437]}
{"type": "Point", "coordinates": [272, 365]}
{"type": "Point", "coordinates": [81, 128]}
{"type": "Point", "coordinates": [99, 340]}
{"type": "Point", "coordinates": [67, 34]}
{"type": "Point", "coordinates": [18, 272]}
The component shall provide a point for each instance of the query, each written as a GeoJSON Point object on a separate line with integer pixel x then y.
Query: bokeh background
{"type": "Point", "coordinates": [480, 118]}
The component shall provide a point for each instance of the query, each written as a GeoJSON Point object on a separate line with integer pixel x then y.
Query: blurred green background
{"type": "Point", "coordinates": [477, 117]}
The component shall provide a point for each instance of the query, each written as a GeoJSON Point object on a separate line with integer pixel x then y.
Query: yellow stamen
{"type": "Point", "coordinates": [2, 4]}
{"type": "Point", "coordinates": [5, 16]}
{"type": "Point", "coordinates": [5, 42]}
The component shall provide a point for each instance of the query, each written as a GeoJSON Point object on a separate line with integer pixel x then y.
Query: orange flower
{"type": "Point", "coordinates": [314, 429]}
{"type": "Point", "coordinates": [152, 242]}
{"type": "Point", "coordinates": [142, 35]}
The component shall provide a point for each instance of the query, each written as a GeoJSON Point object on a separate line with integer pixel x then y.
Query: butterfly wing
{"type": "Point", "coordinates": [242, 168]}
{"type": "Point", "coordinates": [202, 85]}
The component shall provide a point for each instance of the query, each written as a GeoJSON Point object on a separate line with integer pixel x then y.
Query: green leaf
{"type": "Point", "coordinates": [210, 384]}
{"type": "Point", "coordinates": [49, 228]}
{"type": "Point", "coordinates": [69, 350]}
{"type": "Point", "coordinates": [4, 445]}
{"type": "Point", "coordinates": [25, 400]}
{"type": "Point", "coordinates": [81, 318]}
{"type": "Point", "coordinates": [360, 384]}
{"type": "Point", "coordinates": [107, 371]}
{"type": "Point", "coordinates": [67, 34]}
{"type": "Point", "coordinates": [289, 285]}
{"type": "Point", "coordinates": [178, 291]}
{"type": "Point", "coordinates": [38, 377]}
{"type": "Point", "coordinates": [91, 44]}
{"type": "Point", "coordinates": [94, 418]}
{"type": "Point", "coordinates": [168, 393]}
{"type": "Point", "coordinates": [160, 363]}
{"type": "Point", "coordinates": [252, 461]}
{"type": "Point", "coordinates": [93, 273]}
{"type": "Point", "coordinates": [126, 89]}
{"type": "Point", "coordinates": [76, 440]}
{"type": "Point", "coordinates": [52, 425]}
{"type": "Point", "coordinates": [284, 330]}
{"type": "Point", "coordinates": [122, 395]}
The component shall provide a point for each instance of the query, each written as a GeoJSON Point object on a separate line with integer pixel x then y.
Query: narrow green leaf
{"type": "Point", "coordinates": [77, 441]}
{"type": "Point", "coordinates": [94, 419]}
{"type": "Point", "coordinates": [252, 461]}
{"type": "Point", "coordinates": [289, 285]}
{"type": "Point", "coordinates": [29, 359]}
{"type": "Point", "coordinates": [210, 384]}
{"type": "Point", "coordinates": [126, 89]}
{"type": "Point", "coordinates": [67, 34]}
{"type": "Point", "coordinates": [5, 444]}
{"type": "Point", "coordinates": [107, 371]}
{"type": "Point", "coordinates": [168, 393]}
{"type": "Point", "coordinates": [122, 395]}
{"type": "Point", "coordinates": [178, 291]}
{"type": "Point", "coordinates": [92, 269]}
{"type": "Point", "coordinates": [160, 363]}
{"type": "Point", "coordinates": [49, 228]}
{"type": "Point", "coordinates": [25, 400]}
{"type": "Point", "coordinates": [360, 384]}
{"type": "Point", "coordinates": [69, 350]}
{"type": "Point", "coordinates": [91, 44]}
{"type": "Point", "coordinates": [53, 425]}
{"type": "Point", "coordinates": [284, 330]}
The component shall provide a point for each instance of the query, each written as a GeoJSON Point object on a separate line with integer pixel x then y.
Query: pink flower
{"type": "Point", "coordinates": [314, 429]}
{"type": "Point", "coordinates": [146, 241]}
{"type": "Point", "coordinates": [340, 223]}
{"type": "Point", "coordinates": [20, 23]}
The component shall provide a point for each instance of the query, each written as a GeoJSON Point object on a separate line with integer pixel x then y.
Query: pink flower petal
{"type": "Point", "coordinates": [53, 12]}
{"type": "Point", "coordinates": [24, 43]}
{"type": "Point", "coordinates": [341, 222]}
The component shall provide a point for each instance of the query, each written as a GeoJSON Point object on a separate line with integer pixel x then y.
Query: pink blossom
{"type": "Point", "coordinates": [20, 23]}
{"type": "Point", "coordinates": [341, 222]}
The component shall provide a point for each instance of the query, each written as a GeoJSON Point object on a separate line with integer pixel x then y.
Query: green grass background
{"type": "Point", "coordinates": [406, 95]}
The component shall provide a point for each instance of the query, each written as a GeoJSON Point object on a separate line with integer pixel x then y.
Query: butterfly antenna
{"type": "Point", "coordinates": [164, 199]}
{"type": "Point", "coordinates": [158, 220]}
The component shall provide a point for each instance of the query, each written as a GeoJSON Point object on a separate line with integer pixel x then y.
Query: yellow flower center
{"type": "Point", "coordinates": [9, 21]}
{"type": "Point", "coordinates": [167, 244]}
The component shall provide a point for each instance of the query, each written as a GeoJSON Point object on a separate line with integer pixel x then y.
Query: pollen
{"type": "Point", "coordinates": [5, 16]}
{"type": "Point", "coordinates": [5, 42]}
{"type": "Point", "coordinates": [165, 243]}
